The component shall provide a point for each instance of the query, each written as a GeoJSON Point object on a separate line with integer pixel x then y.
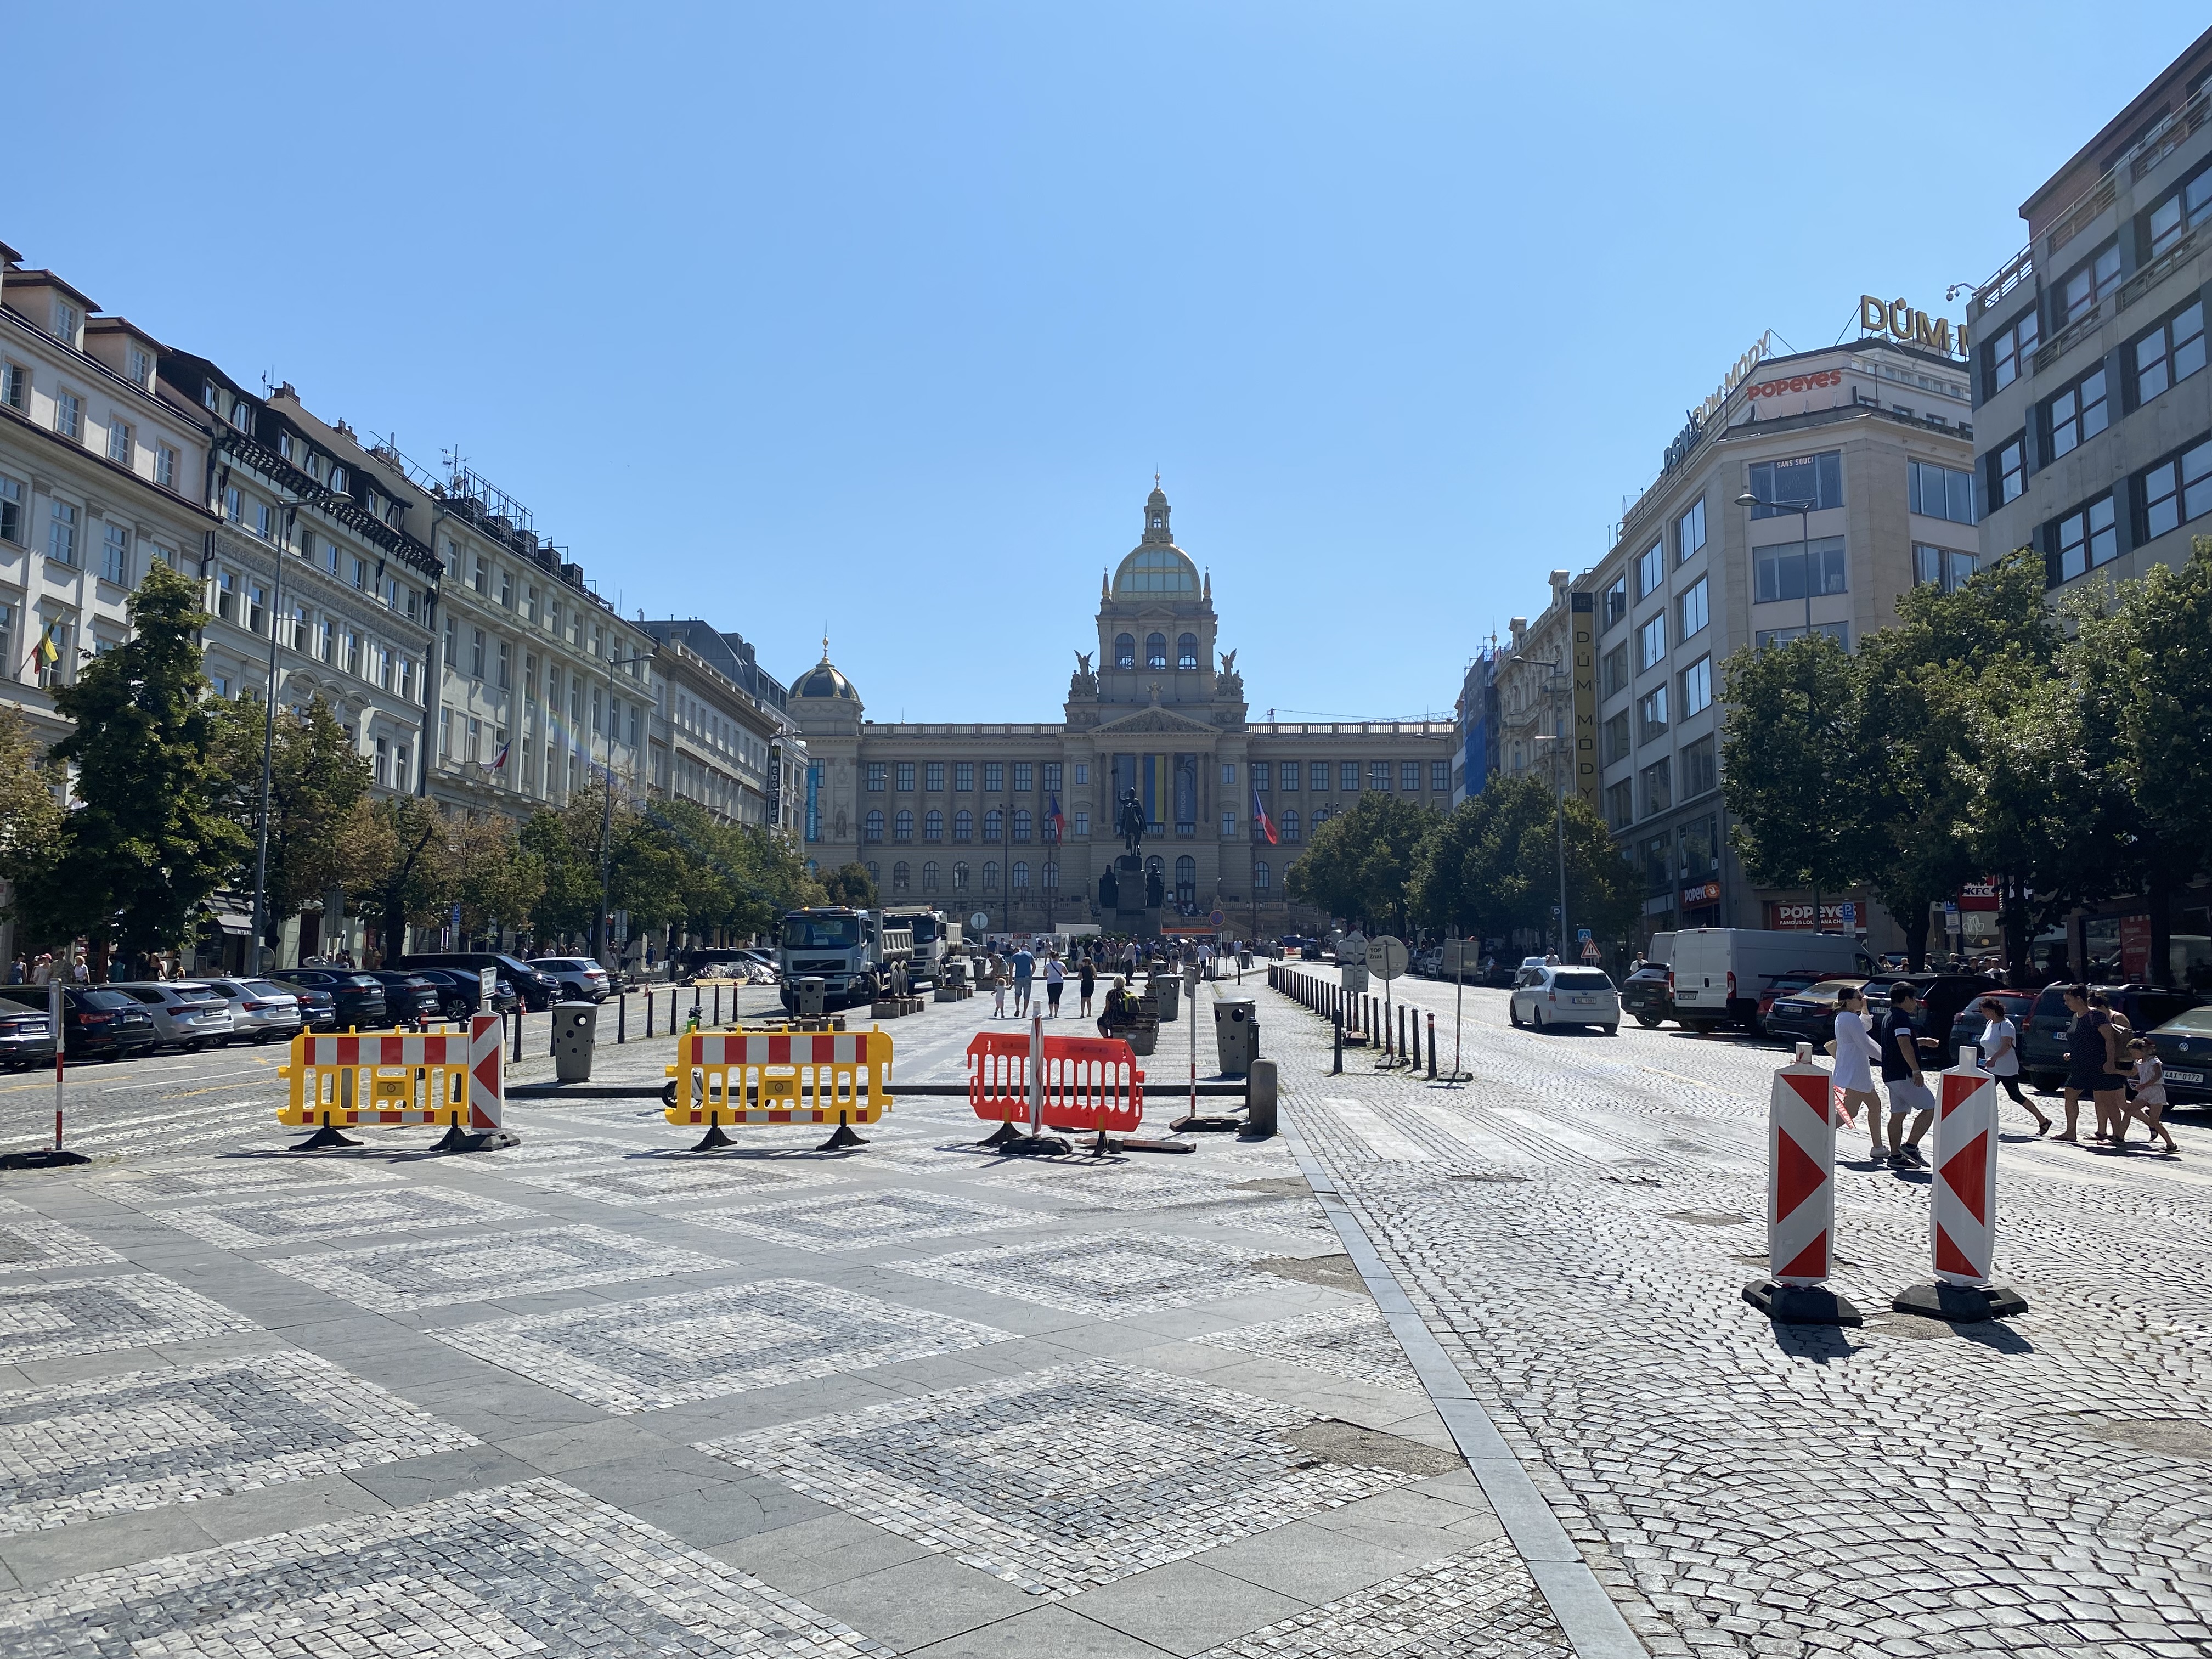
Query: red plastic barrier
{"type": "Point", "coordinates": [1090, 1083]}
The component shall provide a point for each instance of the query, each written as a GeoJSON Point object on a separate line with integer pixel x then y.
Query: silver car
{"type": "Point", "coordinates": [1550, 994]}
{"type": "Point", "coordinates": [259, 1011]}
{"type": "Point", "coordinates": [579, 978]}
{"type": "Point", "coordinates": [188, 1014]}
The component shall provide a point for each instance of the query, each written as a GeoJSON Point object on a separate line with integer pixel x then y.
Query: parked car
{"type": "Point", "coordinates": [26, 1034]}
{"type": "Point", "coordinates": [1643, 993]}
{"type": "Point", "coordinates": [458, 992]}
{"type": "Point", "coordinates": [318, 1010]}
{"type": "Point", "coordinates": [357, 998]}
{"type": "Point", "coordinates": [408, 997]}
{"type": "Point", "coordinates": [188, 1014]}
{"type": "Point", "coordinates": [581, 979]}
{"type": "Point", "coordinates": [99, 1023]}
{"type": "Point", "coordinates": [1966, 1025]}
{"type": "Point", "coordinates": [538, 992]}
{"type": "Point", "coordinates": [259, 1011]}
{"type": "Point", "coordinates": [1809, 1015]}
{"type": "Point", "coordinates": [1552, 996]}
{"type": "Point", "coordinates": [1777, 986]}
{"type": "Point", "coordinates": [2184, 1045]}
{"type": "Point", "coordinates": [2043, 1041]}
{"type": "Point", "coordinates": [1717, 972]}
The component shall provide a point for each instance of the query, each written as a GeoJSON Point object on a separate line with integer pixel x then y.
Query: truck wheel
{"type": "Point", "coordinates": [1612, 1030]}
{"type": "Point", "coordinates": [1647, 1022]}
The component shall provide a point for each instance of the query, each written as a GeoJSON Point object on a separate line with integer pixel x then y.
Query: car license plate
{"type": "Point", "coordinates": [2184, 1077]}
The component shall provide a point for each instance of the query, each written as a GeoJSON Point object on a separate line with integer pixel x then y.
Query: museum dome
{"type": "Point", "coordinates": [1156, 567]}
{"type": "Point", "coordinates": [822, 680]}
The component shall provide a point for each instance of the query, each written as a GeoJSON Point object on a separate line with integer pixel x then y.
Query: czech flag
{"type": "Point", "coordinates": [499, 760]}
{"type": "Point", "coordinates": [1051, 817]}
{"type": "Point", "coordinates": [1260, 812]}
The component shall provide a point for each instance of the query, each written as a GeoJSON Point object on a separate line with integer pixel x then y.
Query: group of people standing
{"type": "Point", "coordinates": [2100, 1046]}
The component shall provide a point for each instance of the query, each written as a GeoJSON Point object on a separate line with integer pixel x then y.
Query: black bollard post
{"type": "Point", "coordinates": [1432, 1047]}
{"type": "Point", "coordinates": [1337, 1026]}
{"type": "Point", "coordinates": [648, 1014]}
{"type": "Point", "coordinates": [518, 1030]}
{"type": "Point", "coordinates": [718, 1005]}
{"type": "Point", "coordinates": [1401, 1031]}
{"type": "Point", "coordinates": [621, 1017]}
{"type": "Point", "coordinates": [1415, 1051]}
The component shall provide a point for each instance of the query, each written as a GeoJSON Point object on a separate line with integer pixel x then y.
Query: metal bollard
{"type": "Point", "coordinates": [649, 1016]}
{"type": "Point", "coordinates": [1415, 1051]}
{"type": "Point", "coordinates": [1401, 1051]}
{"type": "Point", "coordinates": [518, 1030]}
{"type": "Point", "coordinates": [552, 1033]}
{"type": "Point", "coordinates": [718, 1005]}
{"type": "Point", "coordinates": [621, 1017]}
{"type": "Point", "coordinates": [1432, 1047]}
{"type": "Point", "coordinates": [1337, 1026]}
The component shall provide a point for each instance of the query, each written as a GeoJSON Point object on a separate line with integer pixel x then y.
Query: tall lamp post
{"type": "Point", "coordinates": [1558, 789]}
{"type": "Point", "coordinates": [607, 817]}
{"type": "Point", "coordinates": [269, 753]}
{"type": "Point", "coordinates": [1804, 511]}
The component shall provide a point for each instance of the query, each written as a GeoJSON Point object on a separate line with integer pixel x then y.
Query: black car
{"type": "Point", "coordinates": [318, 1010]}
{"type": "Point", "coordinates": [358, 997]}
{"type": "Point", "coordinates": [538, 992]}
{"type": "Point", "coordinates": [408, 997]}
{"type": "Point", "coordinates": [1644, 996]}
{"type": "Point", "coordinates": [2185, 1047]}
{"type": "Point", "coordinates": [26, 1036]}
{"type": "Point", "coordinates": [458, 992]}
{"type": "Point", "coordinates": [1967, 1025]}
{"type": "Point", "coordinates": [99, 1023]}
{"type": "Point", "coordinates": [1809, 1015]}
{"type": "Point", "coordinates": [1941, 996]}
{"type": "Point", "coordinates": [2043, 1040]}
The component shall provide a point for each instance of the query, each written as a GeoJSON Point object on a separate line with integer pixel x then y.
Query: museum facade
{"type": "Point", "coordinates": [1016, 821]}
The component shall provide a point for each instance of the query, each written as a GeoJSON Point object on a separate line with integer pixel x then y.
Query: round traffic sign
{"type": "Point", "coordinates": [1217, 918]}
{"type": "Point", "coordinates": [980, 920]}
{"type": "Point", "coordinates": [1387, 957]}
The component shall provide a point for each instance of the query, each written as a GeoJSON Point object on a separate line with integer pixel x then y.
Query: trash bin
{"type": "Point", "coordinates": [806, 997]}
{"type": "Point", "coordinates": [1167, 987]}
{"type": "Point", "coordinates": [1236, 1032]}
{"type": "Point", "coordinates": [575, 1033]}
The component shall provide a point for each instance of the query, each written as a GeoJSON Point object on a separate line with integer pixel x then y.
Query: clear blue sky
{"type": "Point", "coordinates": [886, 314]}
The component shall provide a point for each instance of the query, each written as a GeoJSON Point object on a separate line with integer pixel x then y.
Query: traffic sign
{"type": "Point", "coordinates": [1581, 935]}
{"type": "Point", "coordinates": [980, 920]}
{"type": "Point", "coordinates": [1351, 950]}
{"type": "Point", "coordinates": [1462, 956]}
{"type": "Point", "coordinates": [1217, 918]}
{"type": "Point", "coordinates": [1387, 957]}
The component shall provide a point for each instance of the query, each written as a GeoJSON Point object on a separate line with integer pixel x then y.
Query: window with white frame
{"type": "Point", "coordinates": [1698, 687]}
{"type": "Point", "coordinates": [1651, 642]}
{"type": "Point", "coordinates": [14, 385]}
{"type": "Point", "coordinates": [61, 533]}
{"type": "Point", "coordinates": [69, 414]}
{"type": "Point", "coordinates": [165, 465]}
{"type": "Point", "coordinates": [118, 439]}
{"type": "Point", "coordinates": [66, 320]}
{"type": "Point", "coordinates": [11, 509]}
{"type": "Point", "coordinates": [1690, 530]}
{"type": "Point", "coordinates": [142, 365]}
{"type": "Point", "coordinates": [115, 556]}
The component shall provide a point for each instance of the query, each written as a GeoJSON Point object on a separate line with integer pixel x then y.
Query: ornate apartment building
{"type": "Point", "coordinates": [1016, 820]}
{"type": "Point", "coordinates": [724, 739]}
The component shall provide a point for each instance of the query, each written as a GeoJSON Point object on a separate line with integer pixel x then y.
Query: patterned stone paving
{"type": "Point", "coordinates": [537, 1568]}
{"type": "Point", "coordinates": [1351, 1342]}
{"type": "Point", "coordinates": [1481, 1605]}
{"type": "Point", "coordinates": [861, 1221]}
{"type": "Point", "coordinates": [1109, 1187]}
{"type": "Point", "coordinates": [252, 1223]}
{"type": "Point", "coordinates": [201, 1177]}
{"type": "Point", "coordinates": [100, 1315]}
{"type": "Point", "coordinates": [187, 1432]}
{"type": "Point", "coordinates": [612, 1172]}
{"type": "Point", "coordinates": [406, 1278]}
{"type": "Point", "coordinates": [1107, 1275]}
{"type": "Point", "coordinates": [1065, 1479]}
{"type": "Point", "coordinates": [638, 1356]}
{"type": "Point", "coordinates": [30, 1243]}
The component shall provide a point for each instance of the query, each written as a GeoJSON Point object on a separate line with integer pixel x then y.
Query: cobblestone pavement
{"type": "Point", "coordinates": [1575, 1225]}
{"type": "Point", "coordinates": [597, 1394]}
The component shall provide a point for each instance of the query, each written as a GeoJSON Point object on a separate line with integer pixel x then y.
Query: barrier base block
{"type": "Point", "coordinates": [46, 1158]}
{"type": "Point", "coordinates": [1960, 1304]}
{"type": "Point", "coordinates": [322, 1140]}
{"type": "Point", "coordinates": [1800, 1305]}
{"type": "Point", "coordinates": [843, 1139]}
{"type": "Point", "coordinates": [1192, 1123]}
{"type": "Point", "coordinates": [1005, 1133]}
{"type": "Point", "coordinates": [1022, 1145]}
{"type": "Point", "coordinates": [1148, 1144]}
{"type": "Point", "coordinates": [458, 1140]}
{"type": "Point", "coordinates": [714, 1140]}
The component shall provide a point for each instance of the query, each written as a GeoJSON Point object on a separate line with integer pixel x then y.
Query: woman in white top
{"type": "Point", "coordinates": [2148, 1076]}
{"type": "Point", "coordinates": [2000, 1045]}
{"type": "Point", "coordinates": [1853, 1048]}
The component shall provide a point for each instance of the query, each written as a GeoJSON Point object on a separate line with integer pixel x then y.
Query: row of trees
{"type": "Point", "coordinates": [2065, 756]}
{"type": "Point", "coordinates": [1488, 868]}
{"type": "Point", "coordinates": [166, 800]}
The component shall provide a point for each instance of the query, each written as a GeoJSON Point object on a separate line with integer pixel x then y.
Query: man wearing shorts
{"type": "Point", "coordinates": [1909, 1094]}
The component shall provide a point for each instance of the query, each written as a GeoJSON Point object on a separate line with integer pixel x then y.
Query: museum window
{"type": "Point", "coordinates": [963, 825]}
{"type": "Point", "coordinates": [906, 777]}
{"type": "Point", "coordinates": [1290, 769]}
{"type": "Point", "coordinates": [1228, 826]}
{"type": "Point", "coordinates": [994, 776]}
{"type": "Point", "coordinates": [1021, 823]}
{"type": "Point", "coordinates": [990, 875]}
{"type": "Point", "coordinates": [1289, 826]}
{"type": "Point", "coordinates": [1051, 775]}
{"type": "Point", "coordinates": [1814, 481]}
{"type": "Point", "coordinates": [1440, 776]}
{"type": "Point", "coordinates": [1018, 876]}
{"type": "Point", "coordinates": [1186, 651]}
{"type": "Point", "coordinates": [902, 826]}
{"type": "Point", "coordinates": [876, 773]}
{"type": "Point", "coordinates": [1228, 772]}
{"type": "Point", "coordinates": [1261, 773]}
{"type": "Point", "coordinates": [932, 825]}
{"type": "Point", "coordinates": [1262, 875]}
{"type": "Point", "coordinates": [1409, 777]}
{"type": "Point", "coordinates": [1347, 776]}
{"type": "Point", "coordinates": [1156, 651]}
{"type": "Point", "coordinates": [871, 827]}
{"type": "Point", "coordinates": [964, 777]}
{"type": "Point", "coordinates": [900, 875]}
{"type": "Point", "coordinates": [929, 876]}
{"type": "Point", "coordinates": [2170, 353]}
{"type": "Point", "coordinates": [1082, 822]}
{"type": "Point", "coordinates": [1785, 570]}
{"type": "Point", "coordinates": [2076, 415]}
{"type": "Point", "coordinates": [1051, 877]}
{"type": "Point", "coordinates": [932, 777]}
{"type": "Point", "coordinates": [994, 825]}
{"type": "Point", "coordinates": [960, 876]}
{"type": "Point", "coordinates": [1025, 777]}
{"type": "Point", "coordinates": [1125, 651]}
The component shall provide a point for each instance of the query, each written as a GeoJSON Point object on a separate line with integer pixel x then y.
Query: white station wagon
{"type": "Point", "coordinates": [1547, 996]}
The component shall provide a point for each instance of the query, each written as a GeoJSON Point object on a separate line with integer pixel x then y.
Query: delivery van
{"type": "Point", "coordinates": [1715, 974]}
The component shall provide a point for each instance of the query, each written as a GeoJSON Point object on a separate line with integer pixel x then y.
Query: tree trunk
{"type": "Point", "coordinates": [1916, 937]}
{"type": "Point", "coordinates": [395, 931]}
{"type": "Point", "coordinates": [2160, 969]}
{"type": "Point", "coordinates": [2019, 969]}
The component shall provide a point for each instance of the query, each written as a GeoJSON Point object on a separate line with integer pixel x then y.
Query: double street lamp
{"type": "Point", "coordinates": [1804, 511]}
{"type": "Point", "coordinates": [607, 816]}
{"type": "Point", "coordinates": [1559, 787]}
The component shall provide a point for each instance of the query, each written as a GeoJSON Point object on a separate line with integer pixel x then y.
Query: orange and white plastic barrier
{"type": "Point", "coordinates": [456, 1077]}
{"type": "Point", "coordinates": [1962, 1222]}
{"type": "Point", "coordinates": [1801, 1177]}
{"type": "Point", "coordinates": [778, 1077]}
{"type": "Point", "coordinates": [1087, 1083]}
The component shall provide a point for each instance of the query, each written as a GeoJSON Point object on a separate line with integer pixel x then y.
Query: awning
{"type": "Point", "coordinates": [231, 922]}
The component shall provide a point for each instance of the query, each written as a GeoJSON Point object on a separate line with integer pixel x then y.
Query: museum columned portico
{"type": "Point", "coordinates": [1021, 821]}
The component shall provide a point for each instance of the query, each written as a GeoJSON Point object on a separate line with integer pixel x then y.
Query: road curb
{"type": "Point", "coordinates": [1593, 1622]}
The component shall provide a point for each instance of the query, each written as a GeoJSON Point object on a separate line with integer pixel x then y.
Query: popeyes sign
{"type": "Point", "coordinates": [1898, 319]}
{"type": "Point", "coordinates": [1788, 384]}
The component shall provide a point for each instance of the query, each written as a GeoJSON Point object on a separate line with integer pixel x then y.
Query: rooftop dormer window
{"type": "Point", "coordinates": [142, 366]}
{"type": "Point", "coordinates": [284, 445]}
{"type": "Point", "coordinates": [208, 394]}
{"type": "Point", "coordinates": [338, 479]}
{"type": "Point", "coordinates": [65, 322]}
{"type": "Point", "coordinates": [242, 414]}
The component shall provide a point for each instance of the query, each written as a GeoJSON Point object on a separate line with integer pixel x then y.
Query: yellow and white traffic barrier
{"type": "Point", "coordinates": [456, 1077]}
{"type": "Point", "coordinates": [778, 1077]}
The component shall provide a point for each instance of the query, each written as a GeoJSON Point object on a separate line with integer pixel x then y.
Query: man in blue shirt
{"type": "Point", "coordinates": [1025, 971]}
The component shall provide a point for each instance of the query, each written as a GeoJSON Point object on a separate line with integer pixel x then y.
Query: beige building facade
{"type": "Point", "coordinates": [1016, 820]}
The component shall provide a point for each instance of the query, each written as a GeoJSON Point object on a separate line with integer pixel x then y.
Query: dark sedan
{"type": "Point", "coordinates": [318, 1010]}
{"type": "Point", "coordinates": [1809, 1015]}
{"type": "Point", "coordinates": [410, 996]}
{"type": "Point", "coordinates": [2044, 1041]}
{"type": "Point", "coordinates": [1778, 986]}
{"type": "Point", "coordinates": [1644, 996]}
{"type": "Point", "coordinates": [458, 992]}
{"type": "Point", "coordinates": [99, 1023]}
{"type": "Point", "coordinates": [26, 1036]}
{"type": "Point", "coordinates": [1967, 1025]}
{"type": "Point", "coordinates": [2184, 1048]}
{"type": "Point", "coordinates": [358, 997]}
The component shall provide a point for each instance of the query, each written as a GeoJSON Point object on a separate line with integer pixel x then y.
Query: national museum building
{"type": "Point", "coordinates": [1018, 821]}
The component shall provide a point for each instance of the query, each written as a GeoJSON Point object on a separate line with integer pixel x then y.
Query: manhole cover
{"type": "Point", "coordinates": [1280, 1185]}
{"type": "Point", "coordinates": [2170, 1436]}
{"type": "Point", "coordinates": [1332, 1440]}
{"type": "Point", "coordinates": [1333, 1272]}
{"type": "Point", "coordinates": [1694, 1218]}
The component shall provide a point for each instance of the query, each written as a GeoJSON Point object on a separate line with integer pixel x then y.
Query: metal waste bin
{"type": "Point", "coordinates": [806, 997]}
{"type": "Point", "coordinates": [1168, 988]}
{"type": "Point", "coordinates": [575, 1033]}
{"type": "Point", "coordinates": [1236, 1032]}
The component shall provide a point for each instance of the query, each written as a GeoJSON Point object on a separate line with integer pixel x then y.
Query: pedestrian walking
{"type": "Point", "coordinates": [2147, 1074]}
{"type": "Point", "coordinates": [1086, 982]}
{"type": "Point", "coordinates": [1909, 1094]}
{"type": "Point", "coordinates": [2001, 1056]}
{"type": "Point", "coordinates": [17, 970]}
{"type": "Point", "coordinates": [1024, 972]}
{"type": "Point", "coordinates": [2092, 1063]}
{"type": "Point", "coordinates": [997, 993]}
{"type": "Point", "coordinates": [1855, 1051]}
{"type": "Point", "coordinates": [1055, 981]}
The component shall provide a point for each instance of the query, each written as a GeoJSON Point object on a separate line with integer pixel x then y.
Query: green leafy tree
{"type": "Point", "coordinates": [148, 840]}
{"type": "Point", "coordinates": [316, 776]}
{"type": "Point", "coordinates": [495, 879]}
{"type": "Point", "coordinates": [1492, 865]}
{"type": "Point", "coordinates": [405, 872]}
{"type": "Point", "coordinates": [30, 810]}
{"type": "Point", "coordinates": [1791, 769]}
{"type": "Point", "coordinates": [848, 885]}
{"type": "Point", "coordinates": [1360, 863]}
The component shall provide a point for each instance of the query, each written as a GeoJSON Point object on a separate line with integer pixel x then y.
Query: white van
{"type": "Point", "coordinates": [1715, 975]}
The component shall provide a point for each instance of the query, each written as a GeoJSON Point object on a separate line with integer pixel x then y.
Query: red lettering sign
{"type": "Point", "coordinates": [1826, 377]}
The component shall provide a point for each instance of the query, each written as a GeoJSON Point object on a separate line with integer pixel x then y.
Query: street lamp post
{"type": "Point", "coordinates": [607, 817]}
{"type": "Point", "coordinates": [269, 754]}
{"type": "Point", "coordinates": [1804, 511]}
{"type": "Point", "coordinates": [1558, 789]}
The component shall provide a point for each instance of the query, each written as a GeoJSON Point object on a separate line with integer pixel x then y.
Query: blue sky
{"type": "Point", "coordinates": [885, 314]}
